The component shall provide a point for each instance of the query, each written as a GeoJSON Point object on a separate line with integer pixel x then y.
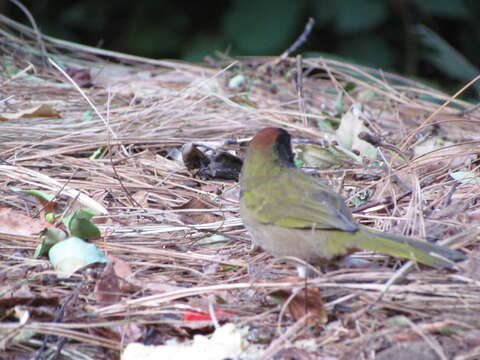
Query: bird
{"type": "Point", "coordinates": [290, 213]}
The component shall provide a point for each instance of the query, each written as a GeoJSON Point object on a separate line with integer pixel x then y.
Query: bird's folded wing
{"type": "Point", "coordinates": [296, 202]}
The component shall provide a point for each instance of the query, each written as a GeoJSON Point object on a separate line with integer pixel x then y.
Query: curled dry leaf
{"type": "Point", "coordinates": [107, 288]}
{"type": "Point", "coordinates": [16, 223]}
{"type": "Point", "coordinates": [211, 164]}
{"type": "Point", "coordinates": [198, 217]}
{"type": "Point", "coordinates": [81, 77]}
{"type": "Point", "coordinates": [306, 301]}
{"type": "Point", "coordinates": [114, 281]}
{"type": "Point", "coordinates": [37, 111]}
{"type": "Point", "coordinates": [122, 269]}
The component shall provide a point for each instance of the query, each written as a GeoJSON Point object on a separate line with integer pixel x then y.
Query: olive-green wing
{"type": "Point", "coordinates": [297, 200]}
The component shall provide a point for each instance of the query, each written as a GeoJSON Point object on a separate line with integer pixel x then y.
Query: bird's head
{"type": "Point", "coordinates": [271, 145]}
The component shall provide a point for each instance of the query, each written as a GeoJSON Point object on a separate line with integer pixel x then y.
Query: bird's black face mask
{"type": "Point", "coordinates": [283, 149]}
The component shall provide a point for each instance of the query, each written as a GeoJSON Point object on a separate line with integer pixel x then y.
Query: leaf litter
{"type": "Point", "coordinates": [119, 154]}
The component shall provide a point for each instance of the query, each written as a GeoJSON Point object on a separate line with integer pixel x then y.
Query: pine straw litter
{"type": "Point", "coordinates": [179, 236]}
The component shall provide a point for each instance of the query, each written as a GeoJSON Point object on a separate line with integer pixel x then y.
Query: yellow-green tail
{"type": "Point", "coordinates": [417, 250]}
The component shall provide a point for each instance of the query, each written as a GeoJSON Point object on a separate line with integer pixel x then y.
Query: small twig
{"type": "Point", "coordinates": [211, 311]}
{"type": "Point", "coordinates": [377, 142]}
{"type": "Point", "coordinates": [431, 341]}
{"type": "Point", "coordinates": [75, 85]}
{"type": "Point", "coordinates": [448, 199]}
{"type": "Point", "coordinates": [110, 132]}
{"type": "Point", "coordinates": [299, 86]}
{"type": "Point", "coordinates": [321, 142]}
{"type": "Point", "coordinates": [276, 344]}
{"type": "Point", "coordinates": [58, 316]}
{"type": "Point", "coordinates": [389, 200]}
{"type": "Point", "coordinates": [469, 110]}
{"type": "Point", "coordinates": [388, 170]}
{"type": "Point", "coordinates": [399, 275]}
{"type": "Point", "coordinates": [57, 194]}
{"type": "Point", "coordinates": [427, 121]}
{"type": "Point", "coordinates": [284, 309]}
{"type": "Point", "coordinates": [300, 40]}
{"type": "Point", "coordinates": [36, 30]}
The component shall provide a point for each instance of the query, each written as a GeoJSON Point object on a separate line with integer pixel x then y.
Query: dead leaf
{"type": "Point", "coordinates": [211, 188]}
{"type": "Point", "coordinates": [472, 265]}
{"type": "Point", "coordinates": [81, 77]}
{"type": "Point", "coordinates": [129, 332]}
{"type": "Point", "coordinates": [350, 127]}
{"type": "Point", "coordinates": [114, 282]}
{"type": "Point", "coordinates": [408, 351]}
{"type": "Point", "coordinates": [34, 301]}
{"type": "Point", "coordinates": [232, 194]}
{"type": "Point", "coordinates": [211, 164]}
{"type": "Point", "coordinates": [159, 284]}
{"type": "Point", "coordinates": [198, 217]}
{"type": "Point", "coordinates": [141, 197]}
{"type": "Point", "coordinates": [37, 111]}
{"type": "Point", "coordinates": [306, 301]}
{"type": "Point", "coordinates": [474, 215]}
{"type": "Point", "coordinates": [16, 223]}
{"type": "Point", "coordinates": [126, 333]}
{"type": "Point", "coordinates": [107, 288]}
{"type": "Point", "coordinates": [122, 269]}
{"type": "Point", "coordinates": [293, 353]}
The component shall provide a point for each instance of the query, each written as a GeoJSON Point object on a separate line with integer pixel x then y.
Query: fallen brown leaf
{"type": "Point", "coordinates": [16, 223]}
{"type": "Point", "coordinates": [306, 301]}
{"type": "Point", "coordinates": [37, 111]}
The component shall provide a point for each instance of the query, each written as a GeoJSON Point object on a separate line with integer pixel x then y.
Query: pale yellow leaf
{"type": "Point", "coordinates": [37, 111]}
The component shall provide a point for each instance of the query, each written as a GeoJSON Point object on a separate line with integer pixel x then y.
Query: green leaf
{"type": "Point", "coordinates": [445, 57]}
{"type": "Point", "coordinates": [79, 224]}
{"type": "Point", "coordinates": [202, 45]}
{"type": "Point", "coordinates": [98, 153]}
{"type": "Point", "coordinates": [324, 11]}
{"type": "Point", "coordinates": [368, 49]}
{"type": "Point", "coordinates": [87, 116]}
{"type": "Point", "coordinates": [228, 268]}
{"type": "Point", "coordinates": [330, 157]}
{"type": "Point", "coordinates": [362, 198]}
{"type": "Point", "coordinates": [298, 162]}
{"type": "Point", "coordinates": [49, 237]}
{"type": "Point", "coordinates": [447, 8]}
{"type": "Point", "coordinates": [351, 16]}
{"type": "Point", "coordinates": [263, 27]}
{"type": "Point", "coordinates": [338, 105]}
{"type": "Point", "coordinates": [37, 193]}
{"type": "Point", "coordinates": [466, 177]}
{"type": "Point", "coordinates": [349, 86]}
{"type": "Point", "coordinates": [50, 217]}
{"type": "Point", "coordinates": [72, 254]}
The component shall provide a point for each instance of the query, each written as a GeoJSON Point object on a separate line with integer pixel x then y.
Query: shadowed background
{"type": "Point", "coordinates": [432, 40]}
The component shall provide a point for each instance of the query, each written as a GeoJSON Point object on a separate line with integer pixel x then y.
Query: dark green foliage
{"type": "Point", "coordinates": [376, 33]}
